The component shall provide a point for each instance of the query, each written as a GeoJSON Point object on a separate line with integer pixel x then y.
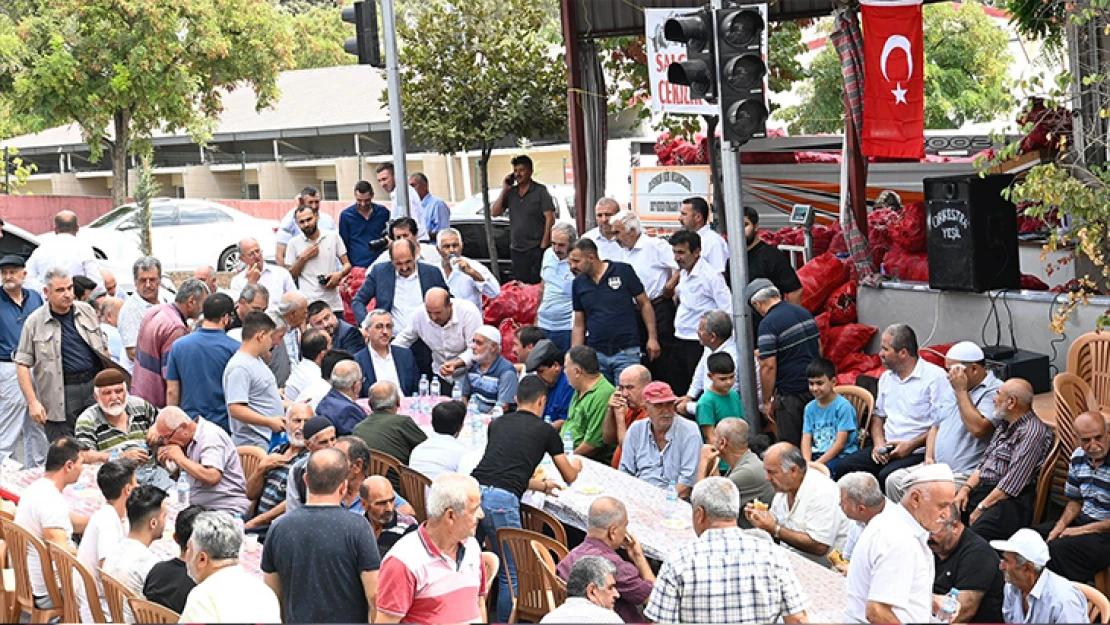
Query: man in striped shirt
{"type": "Point", "coordinates": [1079, 543]}
{"type": "Point", "coordinates": [999, 496]}
{"type": "Point", "coordinates": [116, 425]}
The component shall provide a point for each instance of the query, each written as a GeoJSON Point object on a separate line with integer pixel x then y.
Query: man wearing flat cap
{"type": "Point", "coordinates": [491, 379]}
{"type": "Point", "coordinates": [962, 430]}
{"type": "Point", "coordinates": [546, 361]}
{"type": "Point", "coordinates": [891, 576]}
{"type": "Point", "coordinates": [116, 425]}
{"type": "Point", "coordinates": [663, 448]}
{"type": "Point", "coordinates": [16, 303]}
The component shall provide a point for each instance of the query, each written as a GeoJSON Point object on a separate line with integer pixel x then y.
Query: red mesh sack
{"type": "Point", "coordinates": [348, 288]}
{"type": "Point", "coordinates": [841, 304]}
{"type": "Point", "coordinates": [823, 326]}
{"type": "Point", "coordinates": [935, 353]}
{"type": "Point", "coordinates": [517, 300]}
{"type": "Point", "coordinates": [822, 239]}
{"type": "Point", "coordinates": [1032, 283]}
{"type": "Point", "coordinates": [855, 364]}
{"type": "Point", "coordinates": [508, 328]}
{"type": "Point", "coordinates": [820, 277]}
{"type": "Point", "coordinates": [769, 237]}
{"type": "Point", "coordinates": [838, 244]}
{"type": "Point", "coordinates": [845, 340]}
{"type": "Point", "coordinates": [908, 231]}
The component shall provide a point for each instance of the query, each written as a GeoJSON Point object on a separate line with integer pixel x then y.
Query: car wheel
{"type": "Point", "coordinates": [229, 258]}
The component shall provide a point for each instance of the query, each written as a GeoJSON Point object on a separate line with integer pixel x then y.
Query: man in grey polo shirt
{"type": "Point", "coordinates": [531, 215]}
{"type": "Point", "coordinates": [253, 401]}
{"type": "Point", "coordinates": [202, 451]}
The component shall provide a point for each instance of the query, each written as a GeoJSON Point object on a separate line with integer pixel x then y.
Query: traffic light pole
{"type": "Point", "coordinates": [396, 121]}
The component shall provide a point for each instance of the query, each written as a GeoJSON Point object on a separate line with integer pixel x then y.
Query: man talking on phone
{"type": "Point", "coordinates": [531, 215]}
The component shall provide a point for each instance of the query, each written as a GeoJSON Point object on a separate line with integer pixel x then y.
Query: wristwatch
{"type": "Point", "coordinates": [981, 507]}
{"type": "Point", "coordinates": [777, 528]}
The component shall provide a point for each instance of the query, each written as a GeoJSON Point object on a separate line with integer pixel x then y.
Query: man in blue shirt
{"type": "Point", "coordinates": [195, 371]}
{"type": "Point", "coordinates": [1034, 594]}
{"type": "Point", "coordinates": [16, 303]}
{"type": "Point", "coordinates": [437, 216]}
{"type": "Point", "coordinates": [605, 296]}
{"type": "Point", "coordinates": [492, 379]}
{"type": "Point", "coordinates": [546, 361]}
{"type": "Point", "coordinates": [361, 223]}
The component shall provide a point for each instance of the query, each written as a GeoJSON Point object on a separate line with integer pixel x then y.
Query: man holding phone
{"type": "Point", "coordinates": [312, 256]}
{"type": "Point", "coordinates": [531, 216]}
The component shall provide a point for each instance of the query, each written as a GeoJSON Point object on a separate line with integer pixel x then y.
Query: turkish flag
{"type": "Point", "coordinates": [894, 79]}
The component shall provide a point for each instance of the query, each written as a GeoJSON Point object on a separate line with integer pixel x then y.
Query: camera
{"type": "Point", "coordinates": [323, 280]}
{"type": "Point", "coordinates": [379, 244]}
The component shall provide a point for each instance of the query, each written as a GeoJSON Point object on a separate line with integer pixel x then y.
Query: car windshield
{"type": "Point", "coordinates": [111, 218]}
{"type": "Point", "coordinates": [472, 205]}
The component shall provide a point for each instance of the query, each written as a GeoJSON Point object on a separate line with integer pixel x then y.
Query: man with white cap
{"type": "Point", "coordinates": [492, 379]}
{"type": "Point", "coordinates": [962, 430]}
{"type": "Point", "coordinates": [1034, 594]}
{"type": "Point", "coordinates": [891, 576]}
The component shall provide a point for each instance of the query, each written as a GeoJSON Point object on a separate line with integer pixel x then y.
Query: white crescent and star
{"type": "Point", "coordinates": [895, 42]}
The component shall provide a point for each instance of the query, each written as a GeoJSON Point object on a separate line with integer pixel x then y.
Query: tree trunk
{"type": "Point", "coordinates": [120, 146]}
{"type": "Point", "coordinates": [713, 146]}
{"type": "Point", "coordinates": [491, 240]}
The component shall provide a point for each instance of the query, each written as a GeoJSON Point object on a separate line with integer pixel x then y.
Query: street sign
{"type": "Point", "coordinates": [665, 96]}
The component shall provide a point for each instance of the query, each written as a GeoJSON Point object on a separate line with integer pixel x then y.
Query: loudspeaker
{"type": "Point", "coordinates": [971, 233]}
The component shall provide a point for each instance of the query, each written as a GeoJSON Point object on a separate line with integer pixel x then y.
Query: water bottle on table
{"type": "Point", "coordinates": [434, 387]}
{"type": "Point", "coordinates": [568, 443]}
{"type": "Point", "coordinates": [496, 412]}
{"type": "Point", "coordinates": [949, 606]}
{"type": "Point", "coordinates": [456, 392]}
{"type": "Point", "coordinates": [183, 490]}
{"type": "Point", "coordinates": [672, 500]}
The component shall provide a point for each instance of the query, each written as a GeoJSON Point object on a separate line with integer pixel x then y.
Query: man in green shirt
{"type": "Point", "coordinates": [589, 404]}
{"type": "Point", "coordinates": [385, 431]}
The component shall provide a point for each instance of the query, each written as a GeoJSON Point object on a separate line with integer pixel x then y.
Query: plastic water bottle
{"type": "Point", "coordinates": [568, 443]}
{"type": "Point", "coordinates": [434, 387]}
{"type": "Point", "coordinates": [949, 606]}
{"type": "Point", "coordinates": [672, 499]}
{"type": "Point", "coordinates": [456, 392]}
{"type": "Point", "coordinates": [496, 412]}
{"type": "Point", "coordinates": [472, 407]}
{"type": "Point", "coordinates": [415, 408]}
{"type": "Point", "coordinates": [423, 386]}
{"type": "Point", "coordinates": [183, 491]}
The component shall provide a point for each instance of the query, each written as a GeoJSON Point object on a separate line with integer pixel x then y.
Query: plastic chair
{"type": "Point", "coordinates": [1089, 358]}
{"type": "Point", "coordinates": [65, 564]}
{"type": "Point", "coordinates": [19, 541]}
{"type": "Point", "coordinates": [820, 468]}
{"type": "Point", "coordinates": [414, 488]}
{"type": "Point", "coordinates": [9, 612]}
{"type": "Point", "coordinates": [382, 464]}
{"type": "Point", "coordinates": [150, 612]}
{"type": "Point", "coordinates": [1056, 459]}
{"type": "Point", "coordinates": [1098, 606]}
{"type": "Point", "coordinates": [555, 588]}
{"type": "Point", "coordinates": [542, 522]}
{"type": "Point", "coordinates": [116, 594]}
{"type": "Point", "coordinates": [529, 598]}
{"type": "Point", "coordinates": [864, 403]}
{"type": "Point", "coordinates": [250, 457]}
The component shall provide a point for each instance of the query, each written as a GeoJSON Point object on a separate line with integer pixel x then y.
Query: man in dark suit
{"type": "Point", "coordinates": [381, 361]}
{"type": "Point", "coordinates": [339, 404]}
{"type": "Point", "coordinates": [399, 288]}
{"type": "Point", "coordinates": [343, 335]}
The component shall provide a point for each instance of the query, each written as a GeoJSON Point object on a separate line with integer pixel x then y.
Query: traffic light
{"type": "Point", "coordinates": [740, 36]}
{"type": "Point", "coordinates": [697, 72]}
{"type": "Point", "coordinates": [364, 45]}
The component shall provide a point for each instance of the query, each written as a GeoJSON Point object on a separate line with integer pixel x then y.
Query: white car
{"type": "Point", "coordinates": [185, 234]}
{"type": "Point", "coordinates": [563, 194]}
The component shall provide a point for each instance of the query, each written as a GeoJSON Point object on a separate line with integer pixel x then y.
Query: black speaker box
{"type": "Point", "coordinates": [972, 234]}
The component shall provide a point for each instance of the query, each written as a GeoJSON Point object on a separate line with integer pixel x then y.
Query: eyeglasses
{"type": "Point", "coordinates": [162, 439]}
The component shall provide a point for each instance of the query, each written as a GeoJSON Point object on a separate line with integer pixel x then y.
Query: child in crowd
{"type": "Point", "coordinates": [829, 426]}
{"type": "Point", "coordinates": [719, 400]}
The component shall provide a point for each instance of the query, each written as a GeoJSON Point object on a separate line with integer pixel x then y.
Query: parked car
{"type": "Point", "coordinates": [17, 241]}
{"type": "Point", "coordinates": [185, 234]}
{"type": "Point", "coordinates": [563, 194]}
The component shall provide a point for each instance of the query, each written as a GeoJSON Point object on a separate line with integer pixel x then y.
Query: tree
{"type": "Point", "coordinates": [318, 34]}
{"type": "Point", "coordinates": [966, 69]}
{"type": "Point", "coordinates": [123, 69]}
{"type": "Point", "coordinates": [477, 73]}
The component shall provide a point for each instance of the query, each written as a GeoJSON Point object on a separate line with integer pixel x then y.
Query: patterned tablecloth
{"type": "Point", "coordinates": [84, 498]}
{"type": "Point", "coordinates": [649, 510]}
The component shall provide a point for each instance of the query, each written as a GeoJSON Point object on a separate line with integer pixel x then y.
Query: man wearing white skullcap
{"type": "Point", "coordinates": [492, 379]}
{"type": "Point", "coordinates": [962, 431]}
{"type": "Point", "coordinates": [890, 579]}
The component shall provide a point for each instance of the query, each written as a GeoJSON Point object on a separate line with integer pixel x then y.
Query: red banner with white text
{"type": "Point", "coordinates": [894, 79]}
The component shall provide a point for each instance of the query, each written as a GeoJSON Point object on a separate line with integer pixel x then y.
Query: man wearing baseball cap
{"type": "Point", "coordinates": [664, 448]}
{"type": "Point", "coordinates": [1033, 593]}
{"type": "Point", "coordinates": [491, 379]}
{"type": "Point", "coordinates": [16, 303]}
{"type": "Point", "coordinates": [962, 430]}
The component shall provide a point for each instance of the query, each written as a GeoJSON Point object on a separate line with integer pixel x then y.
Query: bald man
{"type": "Point", "coordinates": [339, 404]}
{"type": "Point", "coordinates": [446, 327]}
{"type": "Point", "coordinates": [256, 270]}
{"type": "Point", "coordinates": [64, 250]}
{"type": "Point", "coordinates": [386, 431]}
{"type": "Point", "coordinates": [207, 275]}
{"type": "Point", "coordinates": [626, 406]}
{"type": "Point", "coordinates": [378, 503]}
{"type": "Point", "coordinates": [999, 496]}
{"type": "Point", "coordinates": [730, 445]}
{"type": "Point", "coordinates": [109, 282]}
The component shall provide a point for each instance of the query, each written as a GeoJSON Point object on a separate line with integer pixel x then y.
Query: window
{"type": "Point", "coordinates": [179, 192]}
{"type": "Point", "coordinates": [329, 190]}
{"type": "Point", "coordinates": [200, 215]}
{"type": "Point", "coordinates": [253, 192]}
{"type": "Point", "coordinates": [162, 215]}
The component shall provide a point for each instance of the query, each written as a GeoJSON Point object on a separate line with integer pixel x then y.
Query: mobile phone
{"type": "Point", "coordinates": [322, 280]}
{"type": "Point", "coordinates": [510, 180]}
{"type": "Point", "coordinates": [886, 449]}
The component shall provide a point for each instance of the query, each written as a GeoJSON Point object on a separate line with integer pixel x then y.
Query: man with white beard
{"type": "Point", "coordinates": [269, 481]}
{"type": "Point", "coordinates": [116, 425]}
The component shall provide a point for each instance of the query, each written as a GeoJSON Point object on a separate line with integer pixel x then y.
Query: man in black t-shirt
{"type": "Point", "coordinates": [768, 262]}
{"type": "Point", "coordinates": [168, 583]}
{"type": "Point", "coordinates": [967, 562]}
{"type": "Point", "coordinates": [516, 445]}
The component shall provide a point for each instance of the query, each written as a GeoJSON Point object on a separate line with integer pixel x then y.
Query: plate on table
{"type": "Point", "coordinates": [589, 489]}
{"type": "Point", "coordinates": [675, 524]}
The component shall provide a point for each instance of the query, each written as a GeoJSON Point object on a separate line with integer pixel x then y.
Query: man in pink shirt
{"type": "Point", "coordinates": [161, 326]}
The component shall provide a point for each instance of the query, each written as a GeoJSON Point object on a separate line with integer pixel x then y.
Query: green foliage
{"type": "Point", "coordinates": [144, 191]}
{"type": "Point", "coordinates": [1038, 20]}
{"type": "Point", "coordinates": [966, 67]}
{"type": "Point", "coordinates": [17, 172]}
{"type": "Point", "coordinates": [318, 34]}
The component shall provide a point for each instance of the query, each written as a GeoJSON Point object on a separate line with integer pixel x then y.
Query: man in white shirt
{"type": "Point", "coordinates": [715, 336]}
{"type": "Point", "coordinates": [382, 362]}
{"type": "Point", "coordinates": [147, 273]}
{"type": "Point", "coordinates": [446, 326]}
{"type": "Point", "coordinates": [107, 526]}
{"type": "Point", "coordinates": [225, 592]}
{"type": "Point", "coordinates": [700, 289]}
{"type": "Point", "coordinates": [132, 559]}
{"type": "Point", "coordinates": [441, 452]}
{"type": "Point", "coordinates": [607, 246]}
{"type": "Point", "coordinates": [287, 228]}
{"type": "Point", "coordinates": [44, 513]}
{"type": "Point", "coordinates": [591, 593]}
{"type": "Point", "coordinates": [891, 576]}
{"type": "Point", "coordinates": [314, 344]}
{"type": "Point", "coordinates": [694, 216]}
{"type": "Point", "coordinates": [312, 256]}
{"type": "Point", "coordinates": [276, 279]}
{"type": "Point", "coordinates": [63, 250]}
{"type": "Point", "coordinates": [466, 278]}
{"type": "Point", "coordinates": [388, 181]}
{"type": "Point", "coordinates": [805, 514]}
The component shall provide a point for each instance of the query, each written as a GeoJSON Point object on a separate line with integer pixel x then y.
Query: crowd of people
{"type": "Point", "coordinates": [632, 363]}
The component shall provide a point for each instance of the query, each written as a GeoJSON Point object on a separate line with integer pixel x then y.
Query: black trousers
{"type": "Point", "coordinates": [1078, 558]}
{"type": "Point", "coordinates": [423, 356]}
{"type": "Point", "coordinates": [662, 369]}
{"type": "Point", "coordinates": [1000, 521]}
{"type": "Point", "coordinates": [683, 360]}
{"type": "Point", "coordinates": [789, 414]}
{"type": "Point", "coordinates": [79, 396]}
{"type": "Point", "coordinates": [526, 265]}
{"type": "Point", "coordinates": [861, 461]}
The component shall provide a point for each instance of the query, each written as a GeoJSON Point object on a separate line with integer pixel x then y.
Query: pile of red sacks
{"type": "Point", "coordinates": [515, 307]}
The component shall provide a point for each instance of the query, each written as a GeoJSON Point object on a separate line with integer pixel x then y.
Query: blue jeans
{"type": "Point", "coordinates": [612, 366]}
{"type": "Point", "coordinates": [561, 338]}
{"type": "Point", "coordinates": [501, 509]}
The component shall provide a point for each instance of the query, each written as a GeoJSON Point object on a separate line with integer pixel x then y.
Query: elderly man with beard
{"type": "Point", "coordinates": [269, 481]}
{"type": "Point", "coordinates": [892, 572]}
{"type": "Point", "coordinates": [664, 448]}
{"type": "Point", "coordinates": [491, 379]}
{"type": "Point", "coordinates": [16, 303]}
{"type": "Point", "coordinates": [378, 502]}
{"type": "Point", "coordinates": [116, 425]}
